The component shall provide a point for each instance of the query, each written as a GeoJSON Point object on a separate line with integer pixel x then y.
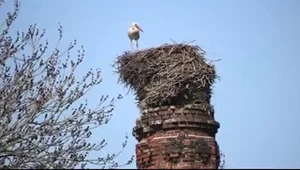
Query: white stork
{"type": "Point", "coordinates": [134, 33]}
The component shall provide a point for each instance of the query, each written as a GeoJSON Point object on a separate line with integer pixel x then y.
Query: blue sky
{"type": "Point", "coordinates": [257, 99]}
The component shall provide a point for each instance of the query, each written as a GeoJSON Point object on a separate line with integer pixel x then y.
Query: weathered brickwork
{"type": "Point", "coordinates": [177, 138]}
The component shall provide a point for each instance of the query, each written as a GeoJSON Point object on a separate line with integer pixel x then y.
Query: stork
{"type": "Point", "coordinates": [134, 33]}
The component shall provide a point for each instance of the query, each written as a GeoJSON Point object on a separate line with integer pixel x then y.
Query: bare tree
{"type": "Point", "coordinates": [40, 125]}
{"type": "Point", "coordinates": [222, 161]}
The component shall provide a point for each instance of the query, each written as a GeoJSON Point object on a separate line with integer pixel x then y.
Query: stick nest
{"type": "Point", "coordinates": [171, 74]}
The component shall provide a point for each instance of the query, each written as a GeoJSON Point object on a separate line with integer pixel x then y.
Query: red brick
{"type": "Point", "coordinates": [174, 155]}
{"type": "Point", "coordinates": [153, 152]}
{"type": "Point", "coordinates": [188, 159]}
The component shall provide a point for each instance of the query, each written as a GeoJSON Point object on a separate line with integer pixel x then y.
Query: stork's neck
{"type": "Point", "coordinates": [134, 28]}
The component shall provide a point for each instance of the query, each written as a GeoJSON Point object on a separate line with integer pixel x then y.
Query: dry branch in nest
{"type": "Point", "coordinates": [171, 74]}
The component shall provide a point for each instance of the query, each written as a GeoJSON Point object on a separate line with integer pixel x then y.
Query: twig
{"type": "Point", "coordinates": [159, 75]}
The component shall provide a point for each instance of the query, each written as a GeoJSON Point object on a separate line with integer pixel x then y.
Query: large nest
{"type": "Point", "coordinates": [172, 74]}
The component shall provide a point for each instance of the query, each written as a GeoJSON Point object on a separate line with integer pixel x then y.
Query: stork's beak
{"type": "Point", "coordinates": [139, 28]}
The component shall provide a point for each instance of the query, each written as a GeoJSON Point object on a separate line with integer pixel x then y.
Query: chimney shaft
{"type": "Point", "coordinates": [179, 138]}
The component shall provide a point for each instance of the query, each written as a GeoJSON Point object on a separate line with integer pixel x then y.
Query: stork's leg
{"type": "Point", "coordinates": [131, 44]}
{"type": "Point", "coordinates": [137, 44]}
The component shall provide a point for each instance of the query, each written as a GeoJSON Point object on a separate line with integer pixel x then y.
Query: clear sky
{"type": "Point", "coordinates": [257, 99]}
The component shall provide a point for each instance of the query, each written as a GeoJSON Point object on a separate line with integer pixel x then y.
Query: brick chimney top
{"type": "Point", "coordinates": [176, 128]}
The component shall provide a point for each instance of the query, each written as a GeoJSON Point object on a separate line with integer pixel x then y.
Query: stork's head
{"type": "Point", "coordinates": [135, 25]}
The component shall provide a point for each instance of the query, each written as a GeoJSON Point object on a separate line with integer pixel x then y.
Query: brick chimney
{"type": "Point", "coordinates": [176, 129]}
{"type": "Point", "coordinates": [179, 138]}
